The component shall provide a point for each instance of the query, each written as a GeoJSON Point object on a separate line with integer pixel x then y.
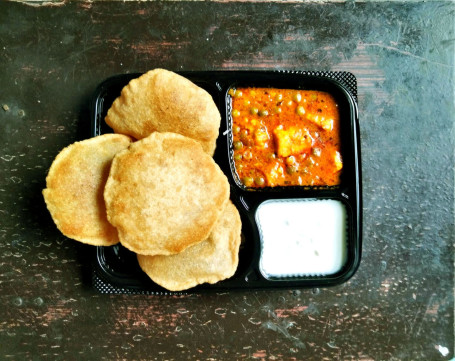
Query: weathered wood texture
{"type": "Point", "coordinates": [399, 305]}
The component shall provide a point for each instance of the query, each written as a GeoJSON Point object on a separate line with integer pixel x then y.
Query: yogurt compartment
{"type": "Point", "coordinates": [285, 137]}
{"type": "Point", "coordinates": [302, 237]}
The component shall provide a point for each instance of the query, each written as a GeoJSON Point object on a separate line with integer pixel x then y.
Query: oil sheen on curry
{"type": "Point", "coordinates": [285, 137]}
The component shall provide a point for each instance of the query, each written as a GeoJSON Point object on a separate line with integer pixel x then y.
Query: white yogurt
{"type": "Point", "coordinates": [302, 237]}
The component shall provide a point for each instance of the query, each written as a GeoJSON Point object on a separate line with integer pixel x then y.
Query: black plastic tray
{"type": "Point", "coordinates": [115, 269]}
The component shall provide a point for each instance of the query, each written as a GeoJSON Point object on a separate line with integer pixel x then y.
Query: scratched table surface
{"type": "Point", "coordinates": [399, 304]}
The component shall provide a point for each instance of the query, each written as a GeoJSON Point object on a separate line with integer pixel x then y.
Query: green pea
{"type": "Point", "coordinates": [235, 113]}
{"type": "Point", "coordinates": [263, 112]}
{"type": "Point", "coordinates": [238, 145]}
{"type": "Point", "coordinates": [260, 181]}
{"type": "Point", "coordinates": [254, 110]}
{"type": "Point", "coordinates": [248, 181]}
{"type": "Point", "coordinates": [236, 129]}
{"type": "Point", "coordinates": [297, 97]}
{"type": "Point", "coordinates": [237, 157]}
{"type": "Point", "coordinates": [291, 169]}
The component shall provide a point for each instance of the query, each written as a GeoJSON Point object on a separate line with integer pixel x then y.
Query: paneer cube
{"type": "Point", "coordinates": [338, 161]}
{"type": "Point", "coordinates": [274, 173]}
{"type": "Point", "coordinates": [292, 141]}
{"type": "Point", "coordinates": [324, 123]}
{"type": "Point", "coordinates": [261, 137]}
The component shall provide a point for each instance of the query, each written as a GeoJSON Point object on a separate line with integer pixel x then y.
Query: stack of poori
{"type": "Point", "coordinates": [153, 186]}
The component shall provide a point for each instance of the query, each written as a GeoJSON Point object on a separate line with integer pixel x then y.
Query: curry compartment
{"type": "Point", "coordinates": [289, 145]}
{"type": "Point", "coordinates": [293, 134]}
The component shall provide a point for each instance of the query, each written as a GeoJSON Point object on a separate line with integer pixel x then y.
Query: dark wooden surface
{"type": "Point", "coordinates": [398, 306]}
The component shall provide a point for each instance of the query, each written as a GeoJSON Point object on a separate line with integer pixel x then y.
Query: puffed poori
{"type": "Point", "coordinates": [75, 186]}
{"type": "Point", "coordinates": [153, 186]}
{"type": "Point", "coordinates": [164, 194]}
{"type": "Point", "coordinates": [163, 101]}
{"type": "Point", "coordinates": [209, 261]}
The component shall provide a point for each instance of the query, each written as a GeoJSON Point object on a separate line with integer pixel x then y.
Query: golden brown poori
{"type": "Point", "coordinates": [163, 101]}
{"type": "Point", "coordinates": [75, 186]}
{"type": "Point", "coordinates": [164, 194]}
{"type": "Point", "coordinates": [209, 261]}
{"type": "Point", "coordinates": [153, 185]}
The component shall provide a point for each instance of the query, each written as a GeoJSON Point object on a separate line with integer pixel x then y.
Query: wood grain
{"type": "Point", "coordinates": [399, 305]}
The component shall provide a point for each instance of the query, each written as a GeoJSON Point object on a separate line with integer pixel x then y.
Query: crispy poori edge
{"type": "Point", "coordinates": [147, 95]}
{"type": "Point", "coordinates": [196, 115]}
{"type": "Point", "coordinates": [112, 182]}
{"type": "Point", "coordinates": [111, 236]}
{"type": "Point", "coordinates": [234, 233]}
{"type": "Point", "coordinates": [117, 116]}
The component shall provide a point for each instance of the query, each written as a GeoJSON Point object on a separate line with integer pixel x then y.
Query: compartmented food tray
{"type": "Point", "coordinates": [295, 233]}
